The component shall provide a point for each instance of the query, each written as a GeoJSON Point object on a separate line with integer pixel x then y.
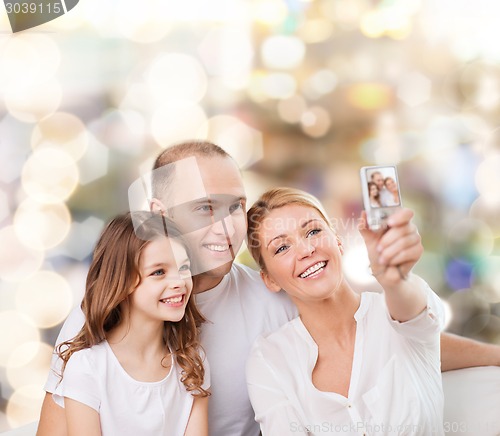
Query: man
{"type": "Point", "coordinates": [204, 195]}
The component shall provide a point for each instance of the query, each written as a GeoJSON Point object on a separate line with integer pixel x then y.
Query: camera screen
{"type": "Point", "coordinates": [383, 187]}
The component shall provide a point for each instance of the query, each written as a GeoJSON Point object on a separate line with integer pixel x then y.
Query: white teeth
{"type": "Point", "coordinates": [312, 269]}
{"type": "Point", "coordinates": [217, 247]}
{"type": "Point", "coordinates": [172, 300]}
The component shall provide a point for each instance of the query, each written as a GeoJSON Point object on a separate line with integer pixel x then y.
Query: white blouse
{"type": "Point", "coordinates": [127, 407]}
{"type": "Point", "coordinates": [395, 385]}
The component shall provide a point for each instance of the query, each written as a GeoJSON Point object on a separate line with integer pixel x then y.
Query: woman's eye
{"type": "Point", "coordinates": [313, 232]}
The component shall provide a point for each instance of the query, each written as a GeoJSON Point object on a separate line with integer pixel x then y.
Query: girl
{"type": "Point", "coordinates": [350, 363]}
{"type": "Point", "coordinates": [374, 194]}
{"type": "Point", "coordinates": [135, 367]}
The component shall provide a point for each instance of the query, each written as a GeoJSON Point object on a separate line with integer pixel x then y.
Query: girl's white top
{"type": "Point", "coordinates": [395, 386]}
{"type": "Point", "coordinates": [127, 407]}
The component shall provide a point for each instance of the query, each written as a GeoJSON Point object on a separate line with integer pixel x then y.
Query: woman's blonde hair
{"type": "Point", "coordinates": [274, 199]}
{"type": "Point", "coordinates": [113, 273]}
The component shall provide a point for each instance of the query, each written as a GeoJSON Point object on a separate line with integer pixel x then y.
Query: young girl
{"type": "Point", "coordinates": [135, 367]}
{"type": "Point", "coordinates": [353, 364]}
{"type": "Point", "coordinates": [374, 194]}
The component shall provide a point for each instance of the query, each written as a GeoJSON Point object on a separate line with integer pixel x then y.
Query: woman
{"type": "Point", "coordinates": [374, 194]}
{"type": "Point", "coordinates": [350, 363]}
{"type": "Point", "coordinates": [135, 367]}
{"type": "Point", "coordinates": [392, 188]}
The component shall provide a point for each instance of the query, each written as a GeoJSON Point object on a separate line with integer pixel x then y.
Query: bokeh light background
{"type": "Point", "coordinates": [301, 92]}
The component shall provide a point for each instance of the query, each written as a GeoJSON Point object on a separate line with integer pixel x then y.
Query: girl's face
{"type": "Point", "coordinates": [373, 191]}
{"type": "Point", "coordinates": [301, 253]}
{"type": "Point", "coordinates": [166, 282]}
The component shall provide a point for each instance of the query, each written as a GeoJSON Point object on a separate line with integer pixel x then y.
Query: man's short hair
{"type": "Point", "coordinates": [161, 180]}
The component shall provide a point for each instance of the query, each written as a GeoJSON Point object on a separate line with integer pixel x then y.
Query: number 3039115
{"type": "Point", "coordinates": [33, 8]}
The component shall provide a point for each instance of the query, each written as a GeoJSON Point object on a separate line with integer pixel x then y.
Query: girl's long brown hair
{"type": "Point", "coordinates": [114, 271]}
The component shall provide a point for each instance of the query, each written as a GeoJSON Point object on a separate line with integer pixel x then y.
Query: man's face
{"type": "Point", "coordinates": [213, 222]}
{"type": "Point", "coordinates": [379, 180]}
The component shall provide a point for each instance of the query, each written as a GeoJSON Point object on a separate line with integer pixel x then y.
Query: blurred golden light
{"type": "Point", "coordinates": [315, 122]}
{"type": "Point", "coordinates": [26, 59]}
{"type": "Point", "coordinates": [316, 30]}
{"type": "Point", "coordinates": [28, 364]}
{"type": "Point", "coordinates": [372, 24]}
{"type": "Point", "coordinates": [177, 121]}
{"type": "Point", "coordinates": [269, 12]}
{"type": "Point", "coordinates": [62, 130]}
{"type": "Point", "coordinates": [369, 96]}
{"type": "Point", "coordinates": [320, 83]}
{"type": "Point", "coordinates": [255, 88]}
{"type": "Point", "coordinates": [466, 305]}
{"type": "Point", "coordinates": [30, 103]}
{"type": "Point", "coordinates": [21, 329]}
{"type": "Point", "coordinates": [17, 261]}
{"type": "Point", "coordinates": [470, 237]}
{"type": "Point", "coordinates": [279, 85]}
{"type": "Point", "coordinates": [227, 51]}
{"type": "Point", "coordinates": [488, 179]}
{"type": "Point", "coordinates": [50, 175]}
{"type": "Point", "coordinates": [241, 141]}
{"type": "Point", "coordinates": [487, 211]}
{"type": "Point", "coordinates": [41, 226]}
{"type": "Point", "coordinates": [175, 76]}
{"type": "Point", "coordinates": [291, 109]}
{"type": "Point", "coordinates": [414, 89]}
{"type": "Point", "coordinates": [145, 24]}
{"type": "Point", "coordinates": [282, 52]}
{"type": "Point", "coordinates": [24, 405]}
{"type": "Point", "coordinates": [45, 297]}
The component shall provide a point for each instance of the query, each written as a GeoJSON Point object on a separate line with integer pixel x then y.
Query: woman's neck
{"type": "Point", "coordinates": [332, 317]}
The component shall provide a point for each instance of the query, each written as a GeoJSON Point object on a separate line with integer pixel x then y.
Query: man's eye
{"type": "Point", "coordinates": [184, 268]}
{"type": "Point", "coordinates": [235, 207]}
{"type": "Point", "coordinates": [204, 208]}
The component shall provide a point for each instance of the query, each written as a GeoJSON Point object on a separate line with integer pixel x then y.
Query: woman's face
{"type": "Point", "coordinates": [390, 184]}
{"type": "Point", "coordinates": [301, 253]}
{"type": "Point", "coordinates": [373, 190]}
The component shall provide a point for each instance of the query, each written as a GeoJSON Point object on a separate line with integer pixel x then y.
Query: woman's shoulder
{"type": "Point", "coordinates": [280, 340]}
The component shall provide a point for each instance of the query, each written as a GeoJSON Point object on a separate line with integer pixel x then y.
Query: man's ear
{"type": "Point", "coordinates": [269, 282]}
{"type": "Point", "coordinates": [156, 205]}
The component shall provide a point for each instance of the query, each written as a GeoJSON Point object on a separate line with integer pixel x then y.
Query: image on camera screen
{"type": "Point", "coordinates": [383, 187]}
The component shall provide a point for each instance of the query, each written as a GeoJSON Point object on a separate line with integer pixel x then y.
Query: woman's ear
{"type": "Point", "coordinates": [340, 245]}
{"type": "Point", "coordinates": [269, 282]}
{"type": "Point", "coordinates": [157, 206]}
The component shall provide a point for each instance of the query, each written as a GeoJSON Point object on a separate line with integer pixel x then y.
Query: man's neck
{"type": "Point", "coordinates": [203, 283]}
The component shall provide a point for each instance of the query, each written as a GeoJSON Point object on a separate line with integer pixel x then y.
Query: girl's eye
{"type": "Point", "coordinates": [313, 232]}
{"type": "Point", "coordinates": [158, 272]}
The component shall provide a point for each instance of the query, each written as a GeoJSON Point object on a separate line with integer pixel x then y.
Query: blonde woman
{"type": "Point", "coordinates": [350, 363]}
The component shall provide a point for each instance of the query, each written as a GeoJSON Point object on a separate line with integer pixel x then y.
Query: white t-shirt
{"type": "Point", "coordinates": [395, 385]}
{"type": "Point", "coordinates": [238, 309]}
{"type": "Point", "coordinates": [127, 407]}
